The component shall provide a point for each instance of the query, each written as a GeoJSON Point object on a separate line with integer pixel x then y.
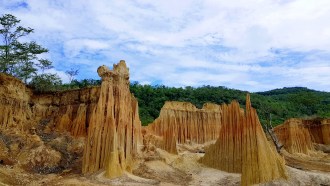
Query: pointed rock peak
{"type": "Point", "coordinates": [105, 73]}
{"type": "Point", "coordinates": [248, 101]}
{"type": "Point", "coordinates": [120, 71]}
{"type": "Point", "coordinates": [121, 68]}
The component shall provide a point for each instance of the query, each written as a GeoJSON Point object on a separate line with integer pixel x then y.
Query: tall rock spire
{"type": "Point", "coordinates": [114, 128]}
{"type": "Point", "coordinates": [242, 147]}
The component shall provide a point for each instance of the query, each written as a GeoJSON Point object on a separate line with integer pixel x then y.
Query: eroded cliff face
{"type": "Point", "coordinates": [294, 136]}
{"type": "Point", "coordinates": [319, 130]}
{"type": "Point", "coordinates": [107, 116]}
{"type": "Point", "coordinates": [62, 111]}
{"type": "Point", "coordinates": [187, 123]}
{"type": "Point", "coordinates": [298, 135]}
{"type": "Point", "coordinates": [32, 124]}
{"type": "Point", "coordinates": [114, 131]}
{"type": "Point", "coordinates": [242, 147]}
{"type": "Point", "coordinates": [67, 111]}
{"type": "Point", "coordinates": [14, 103]}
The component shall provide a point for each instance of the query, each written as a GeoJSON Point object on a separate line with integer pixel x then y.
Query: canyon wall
{"type": "Point", "coordinates": [319, 130]}
{"type": "Point", "coordinates": [14, 103]}
{"type": "Point", "coordinates": [62, 111]}
{"type": "Point", "coordinates": [67, 111]}
{"type": "Point", "coordinates": [187, 123]}
{"type": "Point", "coordinates": [107, 116]}
{"type": "Point", "coordinates": [294, 136]}
{"type": "Point", "coordinates": [242, 147]}
{"type": "Point", "coordinates": [298, 135]}
{"type": "Point", "coordinates": [114, 132]}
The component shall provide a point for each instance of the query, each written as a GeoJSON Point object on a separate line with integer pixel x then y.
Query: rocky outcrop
{"type": "Point", "coordinates": [114, 131]}
{"type": "Point", "coordinates": [319, 130]}
{"type": "Point", "coordinates": [298, 135]}
{"type": "Point", "coordinates": [14, 103]}
{"type": "Point", "coordinates": [242, 147]}
{"type": "Point", "coordinates": [169, 141]}
{"type": "Point", "coordinates": [67, 111]}
{"type": "Point", "coordinates": [294, 136]}
{"type": "Point", "coordinates": [187, 123]}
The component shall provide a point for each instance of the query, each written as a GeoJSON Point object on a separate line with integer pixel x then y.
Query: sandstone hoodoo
{"type": "Point", "coordinates": [96, 129]}
{"type": "Point", "coordinates": [114, 131]}
{"type": "Point", "coordinates": [187, 123]}
{"type": "Point", "coordinates": [242, 147]}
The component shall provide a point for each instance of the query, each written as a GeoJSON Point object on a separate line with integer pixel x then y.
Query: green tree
{"type": "Point", "coordinates": [46, 82]}
{"type": "Point", "coordinates": [19, 59]}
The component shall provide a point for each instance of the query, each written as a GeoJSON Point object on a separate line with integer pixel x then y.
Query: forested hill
{"type": "Point", "coordinates": [281, 104]}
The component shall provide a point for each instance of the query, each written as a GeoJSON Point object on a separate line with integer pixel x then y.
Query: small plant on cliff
{"type": "Point", "coordinates": [19, 59]}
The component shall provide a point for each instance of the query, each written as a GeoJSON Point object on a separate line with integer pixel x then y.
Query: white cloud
{"type": "Point", "coordinates": [218, 42]}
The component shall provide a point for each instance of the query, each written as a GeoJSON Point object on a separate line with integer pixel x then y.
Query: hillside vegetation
{"type": "Point", "coordinates": [280, 104]}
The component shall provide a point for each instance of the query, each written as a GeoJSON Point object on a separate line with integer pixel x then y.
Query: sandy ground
{"type": "Point", "coordinates": [163, 169]}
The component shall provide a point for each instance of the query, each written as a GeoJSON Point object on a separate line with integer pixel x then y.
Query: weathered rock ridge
{"type": "Point", "coordinates": [187, 123]}
{"type": "Point", "coordinates": [114, 131]}
{"type": "Point", "coordinates": [107, 116]}
{"type": "Point", "coordinates": [298, 135]}
{"type": "Point", "coordinates": [242, 147]}
{"type": "Point", "coordinates": [61, 111]}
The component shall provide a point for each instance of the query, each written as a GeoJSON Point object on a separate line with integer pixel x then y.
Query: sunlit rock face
{"type": "Point", "coordinates": [242, 147]}
{"type": "Point", "coordinates": [66, 111]}
{"type": "Point", "coordinates": [298, 135]}
{"type": "Point", "coordinates": [106, 116]}
{"type": "Point", "coordinates": [114, 131]}
{"type": "Point", "coordinates": [294, 136]}
{"type": "Point", "coordinates": [14, 103]}
{"type": "Point", "coordinates": [187, 123]}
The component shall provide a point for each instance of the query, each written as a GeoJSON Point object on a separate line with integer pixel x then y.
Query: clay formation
{"type": "Point", "coordinates": [114, 132]}
{"type": "Point", "coordinates": [187, 123]}
{"type": "Point", "coordinates": [242, 147]}
{"type": "Point", "coordinates": [298, 135]}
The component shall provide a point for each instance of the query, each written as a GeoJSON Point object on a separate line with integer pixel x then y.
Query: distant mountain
{"type": "Point", "coordinates": [286, 90]}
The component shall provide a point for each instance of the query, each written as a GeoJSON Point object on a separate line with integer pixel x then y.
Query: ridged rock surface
{"type": "Point", "coordinates": [242, 147]}
{"type": "Point", "coordinates": [14, 103]}
{"type": "Point", "coordinates": [67, 111]}
{"type": "Point", "coordinates": [187, 123]}
{"type": "Point", "coordinates": [294, 136]}
{"type": "Point", "coordinates": [298, 135]}
{"type": "Point", "coordinates": [319, 130]}
{"type": "Point", "coordinates": [114, 132]}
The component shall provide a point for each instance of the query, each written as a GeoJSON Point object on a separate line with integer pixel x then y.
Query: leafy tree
{"type": "Point", "coordinates": [44, 64]}
{"type": "Point", "coordinates": [19, 59]}
{"type": "Point", "coordinates": [46, 82]}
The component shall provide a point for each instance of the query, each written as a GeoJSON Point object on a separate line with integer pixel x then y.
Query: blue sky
{"type": "Point", "coordinates": [252, 45]}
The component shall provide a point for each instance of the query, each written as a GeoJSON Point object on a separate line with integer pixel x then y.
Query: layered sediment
{"type": "Point", "coordinates": [14, 103]}
{"type": "Point", "coordinates": [298, 135]}
{"type": "Point", "coordinates": [294, 136]}
{"type": "Point", "coordinates": [242, 147]}
{"type": "Point", "coordinates": [187, 123]}
{"type": "Point", "coordinates": [67, 111]}
{"type": "Point", "coordinates": [114, 131]}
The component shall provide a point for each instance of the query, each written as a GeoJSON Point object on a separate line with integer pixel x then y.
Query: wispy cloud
{"type": "Point", "coordinates": [251, 45]}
